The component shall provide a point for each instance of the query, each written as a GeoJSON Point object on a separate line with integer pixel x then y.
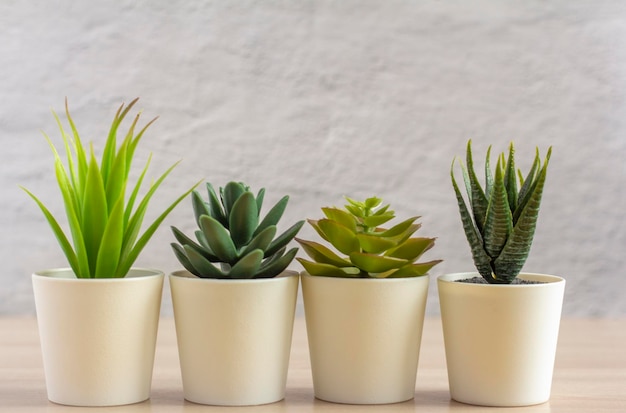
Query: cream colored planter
{"type": "Point", "coordinates": [234, 337]}
{"type": "Point", "coordinates": [98, 336]}
{"type": "Point", "coordinates": [364, 337]}
{"type": "Point", "coordinates": [500, 339]}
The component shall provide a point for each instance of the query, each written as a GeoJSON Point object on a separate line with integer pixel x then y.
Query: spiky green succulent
{"type": "Point", "coordinates": [104, 225]}
{"type": "Point", "coordinates": [501, 220]}
{"type": "Point", "coordinates": [371, 251]}
{"type": "Point", "coordinates": [232, 235]}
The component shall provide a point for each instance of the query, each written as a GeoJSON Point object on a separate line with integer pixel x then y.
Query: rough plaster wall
{"type": "Point", "coordinates": [320, 99]}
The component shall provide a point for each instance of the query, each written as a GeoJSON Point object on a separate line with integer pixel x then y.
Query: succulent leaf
{"type": "Point", "coordinates": [411, 249]}
{"type": "Point", "coordinates": [277, 266]}
{"type": "Point", "coordinates": [274, 215]}
{"type": "Point", "coordinates": [322, 254]}
{"type": "Point", "coordinates": [219, 239]}
{"type": "Point", "coordinates": [482, 261]}
{"type": "Point", "coordinates": [373, 202]}
{"type": "Point", "coordinates": [498, 222]}
{"type": "Point", "coordinates": [376, 220]}
{"type": "Point", "coordinates": [230, 234]}
{"type": "Point", "coordinates": [414, 270]}
{"type": "Point", "coordinates": [374, 244]}
{"type": "Point", "coordinates": [357, 212]}
{"type": "Point", "coordinates": [259, 200]}
{"type": "Point", "coordinates": [284, 238]}
{"type": "Point", "coordinates": [488, 174]}
{"type": "Point", "coordinates": [510, 177]}
{"type": "Point", "coordinates": [179, 252]}
{"type": "Point", "coordinates": [339, 236]}
{"type": "Point", "coordinates": [230, 193]}
{"type": "Point", "coordinates": [344, 218]}
{"type": "Point", "coordinates": [315, 224]}
{"type": "Point", "coordinates": [372, 251]}
{"type": "Point", "coordinates": [528, 186]}
{"type": "Point", "coordinates": [201, 249]}
{"type": "Point", "coordinates": [261, 241]}
{"type": "Point", "coordinates": [199, 206]}
{"type": "Point", "coordinates": [243, 219]}
{"type": "Point", "coordinates": [501, 246]}
{"type": "Point", "coordinates": [382, 210]}
{"type": "Point", "coordinates": [217, 211]}
{"type": "Point", "coordinates": [479, 201]}
{"type": "Point", "coordinates": [355, 203]}
{"type": "Point", "coordinates": [399, 239]}
{"type": "Point", "coordinates": [373, 263]}
{"type": "Point", "coordinates": [272, 258]}
{"type": "Point", "coordinates": [399, 229]}
{"type": "Point", "coordinates": [515, 253]}
{"type": "Point", "coordinates": [327, 270]}
{"type": "Point", "coordinates": [201, 264]}
{"type": "Point", "coordinates": [248, 265]}
{"type": "Point", "coordinates": [203, 242]}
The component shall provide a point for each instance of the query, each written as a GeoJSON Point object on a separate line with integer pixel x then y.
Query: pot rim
{"type": "Point", "coordinates": [305, 274]}
{"type": "Point", "coordinates": [189, 277]}
{"type": "Point", "coordinates": [140, 274]}
{"type": "Point", "coordinates": [547, 279]}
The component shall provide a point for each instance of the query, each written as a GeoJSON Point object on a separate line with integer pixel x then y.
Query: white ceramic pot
{"type": "Point", "coordinates": [364, 337]}
{"type": "Point", "coordinates": [500, 339]}
{"type": "Point", "coordinates": [98, 336]}
{"type": "Point", "coordinates": [234, 337]}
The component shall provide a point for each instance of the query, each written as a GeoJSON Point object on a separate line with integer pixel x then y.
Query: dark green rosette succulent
{"type": "Point", "coordinates": [232, 234]}
{"type": "Point", "coordinates": [501, 218]}
{"type": "Point", "coordinates": [370, 250]}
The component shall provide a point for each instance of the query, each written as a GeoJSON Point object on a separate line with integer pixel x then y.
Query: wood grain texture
{"type": "Point", "coordinates": [590, 374]}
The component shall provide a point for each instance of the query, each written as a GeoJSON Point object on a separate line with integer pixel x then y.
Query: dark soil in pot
{"type": "Point", "coordinates": [481, 280]}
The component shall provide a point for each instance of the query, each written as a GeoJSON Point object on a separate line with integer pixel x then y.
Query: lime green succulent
{"type": "Point", "coordinates": [371, 251]}
{"type": "Point", "coordinates": [500, 222]}
{"type": "Point", "coordinates": [104, 226]}
{"type": "Point", "coordinates": [232, 234]}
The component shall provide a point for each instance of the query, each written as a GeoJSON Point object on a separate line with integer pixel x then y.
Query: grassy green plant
{"type": "Point", "coordinates": [500, 222]}
{"type": "Point", "coordinates": [103, 224]}
{"type": "Point", "coordinates": [232, 234]}
{"type": "Point", "coordinates": [371, 251]}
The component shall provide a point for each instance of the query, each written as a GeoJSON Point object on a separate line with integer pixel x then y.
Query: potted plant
{"type": "Point", "coordinates": [234, 321]}
{"type": "Point", "coordinates": [98, 319]}
{"type": "Point", "coordinates": [501, 326]}
{"type": "Point", "coordinates": [365, 310]}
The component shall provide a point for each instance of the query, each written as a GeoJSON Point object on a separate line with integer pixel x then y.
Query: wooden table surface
{"type": "Point", "coordinates": [589, 377]}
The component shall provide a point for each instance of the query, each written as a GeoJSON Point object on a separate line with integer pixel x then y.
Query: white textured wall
{"type": "Point", "coordinates": [320, 99]}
